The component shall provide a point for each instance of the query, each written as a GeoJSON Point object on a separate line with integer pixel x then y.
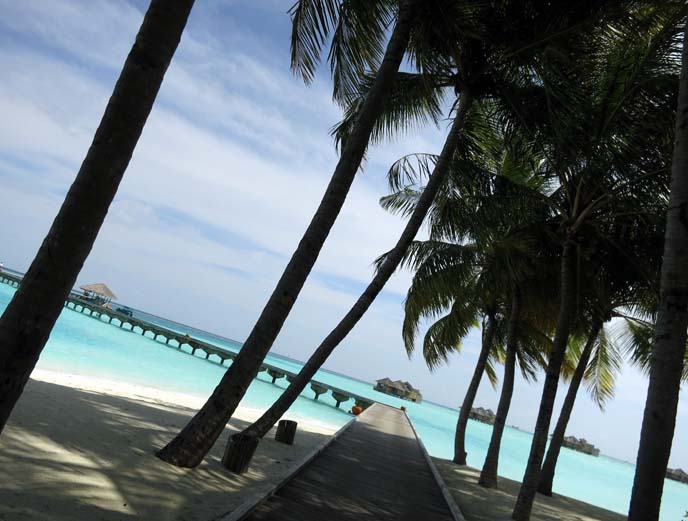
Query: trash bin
{"type": "Point", "coordinates": [239, 451]}
{"type": "Point", "coordinates": [286, 430]}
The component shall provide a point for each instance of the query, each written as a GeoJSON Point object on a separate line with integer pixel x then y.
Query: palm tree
{"type": "Point", "coordinates": [527, 344]}
{"type": "Point", "coordinates": [356, 40]}
{"type": "Point", "coordinates": [669, 345]}
{"type": "Point", "coordinates": [616, 285]}
{"type": "Point", "coordinates": [488, 334]}
{"type": "Point", "coordinates": [608, 165]}
{"type": "Point", "coordinates": [488, 475]}
{"type": "Point", "coordinates": [549, 466]}
{"type": "Point", "coordinates": [30, 316]}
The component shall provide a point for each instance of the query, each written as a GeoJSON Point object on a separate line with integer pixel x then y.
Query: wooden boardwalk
{"type": "Point", "coordinates": [184, 342]}
{"type": "Point", "coordinates": [376, 470]}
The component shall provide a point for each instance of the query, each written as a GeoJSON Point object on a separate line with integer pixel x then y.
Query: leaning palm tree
{"type": "Point", "coordinates": [526, 344]}
{"type": "Point", "coordinates": [669, 346]}
{"type": "Point", "coordinates": [668, 355]}
{"type": "Point", "coordinates": [596, 343]}
{"type": "Point", "coordinates": [357, 34]}
{"type": "Point", "coordinates": [404, 171]}
{"type": "Point", "coordinates": [30, 316]}
{"type": "Point", "coordinates": [617, 288]}
{"type": "Point", "coordinates": [607, 155]}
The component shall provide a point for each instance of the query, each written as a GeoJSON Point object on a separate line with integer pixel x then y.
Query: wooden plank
{"type": "Point", "coordinates": [453, 506]}
{"type": "Point", "coordinates": [375, 470]}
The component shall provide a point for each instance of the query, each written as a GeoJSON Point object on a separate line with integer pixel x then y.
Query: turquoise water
{"type": "Point", "coordinates": [83, 345]}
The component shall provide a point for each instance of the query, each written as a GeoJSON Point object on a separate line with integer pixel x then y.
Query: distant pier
{"type": "Point", "coordinates": [78, 303]}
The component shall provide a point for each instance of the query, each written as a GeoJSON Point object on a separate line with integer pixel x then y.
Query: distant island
{"type": "Point", "coordinates": [399, 389]}
{"type": "Point", "coordinates": [581, 445]}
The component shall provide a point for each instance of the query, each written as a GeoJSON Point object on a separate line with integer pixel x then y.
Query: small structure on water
{"type": "Point", "coordinates": [399, 389]}
{"type": "Point", "coordinates": [482, 415]}
{"type": "Point", "coordinates": [98, 293]}
{"type": "Point", "coordinates": [581, 445]}
{"type": "Point", "coordinates": [677, 475]}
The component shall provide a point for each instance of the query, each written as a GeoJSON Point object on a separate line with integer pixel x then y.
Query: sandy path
{"type": "Point", "coordinates": [81, 448]}
{"type": "Point", "coordinates": [481, 504]}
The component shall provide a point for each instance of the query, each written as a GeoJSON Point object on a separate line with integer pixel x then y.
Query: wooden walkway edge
{"type": "Point", "coordinates": [376, 468]}
{"type": "Point", "coordinates": [453, 506]}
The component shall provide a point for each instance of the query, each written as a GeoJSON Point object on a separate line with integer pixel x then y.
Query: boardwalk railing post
{"type": "Point", "coordinates": [275, 374]}
{"type": "Point", "coordinates": [318, 389]}
{"type": "Point", "coordinates": [340, 397]}
{"type": "Point", "coordinates": [239, 452]}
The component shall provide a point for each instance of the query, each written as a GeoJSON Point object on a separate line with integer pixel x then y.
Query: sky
{"type": "Point", "coordinates": [231, 165]}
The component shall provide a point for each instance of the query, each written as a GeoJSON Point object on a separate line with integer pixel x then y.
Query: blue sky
{"type": "Point", "coordinates": [230, 167]}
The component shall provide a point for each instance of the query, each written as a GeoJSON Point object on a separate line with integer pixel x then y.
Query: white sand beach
{"type": "Point", "coordinates": [82, 448]}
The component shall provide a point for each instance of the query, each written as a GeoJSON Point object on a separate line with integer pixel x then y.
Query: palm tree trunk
{"type": "Point", "coordinates": [531, 478]}
{"type": "Point", "coordinates": [670, 331]}
{"type": "Point", "coordinates": [488, 476]}
{"type": "Point", "coordinates": [550, 464]}
{"type": "Point", "coordinates": [388, 267]}
{"type": "Point", "coordinates": [191, 445]}
{"type": "Point", "coordinates": [30, 316]}
{"type": "Point", "coordinates": [465, 412]}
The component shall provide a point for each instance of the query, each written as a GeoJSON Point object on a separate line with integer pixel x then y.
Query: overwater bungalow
{"type": "Point", "coordinates": [399, 389]}
{"type": "Point", "coordinates": [581, 445]}
{"type": "Point", "coordinates": [482, 415]}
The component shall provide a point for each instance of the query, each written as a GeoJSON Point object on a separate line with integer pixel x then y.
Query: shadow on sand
{"type": "Point", "coordinates": [73, 454]}
{"type": "Point", "coordinates": [481, 504]}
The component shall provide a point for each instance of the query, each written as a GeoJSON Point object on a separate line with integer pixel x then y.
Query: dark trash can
{"type": "Point", "coordinates": [239, 451]}
{"type": "Point", "coordinates": [286, 431]}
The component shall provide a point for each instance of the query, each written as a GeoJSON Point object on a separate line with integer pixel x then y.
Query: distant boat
{"type": "Point", "coordinates": [124, 310]}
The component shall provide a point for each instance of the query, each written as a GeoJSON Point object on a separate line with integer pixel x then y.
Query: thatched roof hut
{"type": "Point", "coordinates": [98, 290]}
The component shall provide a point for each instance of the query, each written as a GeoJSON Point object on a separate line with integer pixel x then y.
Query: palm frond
{"type": "Point", "coordinates": [312, 22]}
{"type": "Point", "coordinates": [605, 364]}
{"type": "Point", "coordinates": [413, 102]}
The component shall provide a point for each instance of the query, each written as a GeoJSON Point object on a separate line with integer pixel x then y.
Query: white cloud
{"type": "Point", "coordinates": [80, 29]}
